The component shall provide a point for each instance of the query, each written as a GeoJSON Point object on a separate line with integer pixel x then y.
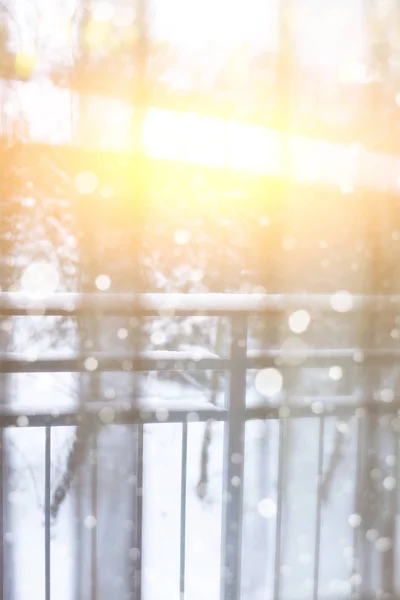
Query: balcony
{"type": "Point", "coordinates": [329, 461]}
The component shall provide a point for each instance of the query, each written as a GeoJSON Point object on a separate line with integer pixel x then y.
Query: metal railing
{"type": "Point", "coordinates": [237, 309]}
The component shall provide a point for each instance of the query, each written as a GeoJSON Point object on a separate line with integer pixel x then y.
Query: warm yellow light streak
{"type": "Point", "coordinates": [193, 139]}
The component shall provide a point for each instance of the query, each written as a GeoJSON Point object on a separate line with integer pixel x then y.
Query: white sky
{"type": "Point", "coordinates": [326, 33]}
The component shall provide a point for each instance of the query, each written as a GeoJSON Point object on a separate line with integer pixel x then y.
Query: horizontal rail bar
{"type": "Point", "coordinates": [319, 408]}
{"type": "Point", "coordinates": [155, 305]}
{"type": "Point", "coordinates": [193, 361]}
{"type": "Point", "coordinates": [95, 362]}
{"type": "Point", "coordinates": [320, 357]}
{"type": "Point", "coordinates": [106, 414]}
{"type": "Point", "coordinates": [132, 416]}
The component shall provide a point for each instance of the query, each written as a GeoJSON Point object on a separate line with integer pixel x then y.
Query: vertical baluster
{"type": "Point", "coordinates": [389, 525]}
{"type": "Point", "coordinates": [396, 475]}
{"type": "Point", "coordinates": [183, 511]}
{"type": "Point", "coordinates": [2, 483]}
{"type": "Point", "coordinates": [139, 515]}
{"type": "Point", "coordinates": [318, 516]}
{"type": "Point", "coordinates": [94, 512]}
{"type": "Point", "coordinates": [278, 531]}
{"type": "Point", "coordinates": [47, 500]}
{"type": "Point", "coordinates": [358, 501]}
{"type": "Point", "coordinates": [233, 470]}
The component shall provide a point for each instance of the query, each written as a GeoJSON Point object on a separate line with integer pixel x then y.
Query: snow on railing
{"type": "Point", "coordinates": [172, 360]}
{"type": "Point", "coordinates": [57, 304]}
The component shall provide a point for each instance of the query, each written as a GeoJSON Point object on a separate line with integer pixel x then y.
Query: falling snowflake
{"type": "Point", "coordinates": [268, 382]}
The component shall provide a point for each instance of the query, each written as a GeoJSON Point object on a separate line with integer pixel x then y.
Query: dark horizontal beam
{"type": "Point", "coordinates": [378, 136]}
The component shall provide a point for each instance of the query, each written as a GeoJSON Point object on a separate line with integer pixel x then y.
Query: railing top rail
{"type": "Point", "coordinates": [210, 304]}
